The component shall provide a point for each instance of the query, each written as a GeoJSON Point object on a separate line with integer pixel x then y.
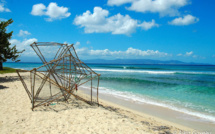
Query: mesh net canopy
{"type": "Point", "coordinates": [60, 75]}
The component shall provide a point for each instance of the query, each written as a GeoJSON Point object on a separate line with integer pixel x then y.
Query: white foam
{"type": "Point", "coordinates": [152, 72]}
{"type": "Point", "coordinates": [136, 71]}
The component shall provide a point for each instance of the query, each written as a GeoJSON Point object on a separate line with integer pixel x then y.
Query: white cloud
{"type": "Point", "coordinates": [48, 51]}
{"type": "Point", "coordinates": [187, 54]}
{"type": "Point", "coordinates": [163, 7]}
{"type": "Point", "coordinates": [186, 20]}
{"type": "Point", "coordinates": [179, 54]}
{"type": "Point", "coordinates": [148, 25]}
{"type": "Point", "coordinates": [25, 44]}
{"type": "Point", "coordinates": [38, 9]}
{"type": "Point", "coordinates": [99, 22]}
{"type": "Point", "coordinates": [23, 33]}
{"type": "Point", "coordinates": [14, 42]}
{"type": "Point", "coordinates": [3, 8]}
{"type": "Point", "coordinates": [191, 55]}
{"type": "Point", "coordinates": [53, 11]}
{"type": "Point", "coordinates": [98, 17]}
{"type": "Point", "coordinates": [137, 52]}
{"type": "Point", "coordinates": [77, 44]}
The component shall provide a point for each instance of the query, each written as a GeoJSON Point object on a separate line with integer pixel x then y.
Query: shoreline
{"type": "Point", "coordinates": [163, 114]}
{"type": "Point", "coordinates": [147, 101]}
{"type": "Point", "coordinates": [16, 115]}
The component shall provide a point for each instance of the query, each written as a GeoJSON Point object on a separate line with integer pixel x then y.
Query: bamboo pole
{"type": "Point", "coordinates": [91, 88]}
{"type": "Point", "coordinates": [98, 90]}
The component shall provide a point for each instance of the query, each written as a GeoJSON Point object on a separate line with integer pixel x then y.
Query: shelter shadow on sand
{"type": "Point", "coordinates": [8, 79]}
{"type": "Point", "coordinates": [72, 103]}
{"type": "Point", "coordinates": [2, 87]}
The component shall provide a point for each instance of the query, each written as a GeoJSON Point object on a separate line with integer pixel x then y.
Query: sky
{"type": "Point", "coordinates": [116, 29]}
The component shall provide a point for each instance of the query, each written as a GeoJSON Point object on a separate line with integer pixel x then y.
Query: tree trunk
{"type": "Point", "coordinates": [1, 65]}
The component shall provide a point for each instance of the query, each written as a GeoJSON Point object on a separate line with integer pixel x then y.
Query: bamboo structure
{"type": "Point", "coordinates": [57, 79]}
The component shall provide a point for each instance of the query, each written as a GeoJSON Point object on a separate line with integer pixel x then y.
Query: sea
{"type": "Point", "coordinates": [188, 89]}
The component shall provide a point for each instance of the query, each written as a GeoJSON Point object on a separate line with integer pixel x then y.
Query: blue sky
{"type": "Point", "coordinates": [116, 29]}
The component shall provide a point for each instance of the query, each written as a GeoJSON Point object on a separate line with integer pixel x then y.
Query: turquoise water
{"type": "Point", "coordinates": [188, 89]}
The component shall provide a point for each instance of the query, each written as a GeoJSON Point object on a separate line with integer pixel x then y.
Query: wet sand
{"type": "Point", "coordinates": [161, 113]}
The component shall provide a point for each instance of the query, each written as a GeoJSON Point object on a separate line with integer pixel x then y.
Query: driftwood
{"type": "Point", "coordinates": [57, 79]}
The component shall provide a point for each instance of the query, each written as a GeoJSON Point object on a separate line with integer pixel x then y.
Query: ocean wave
{"type": "Point", "coordinates": [143, 99]}
{"type": "Point", "coordinates": [195, 73]}
{"type": "Point", "coordinates": [133, 67]}
{"type": "Point", "coordinates": [135, 80]}
{"type": "Point", "coordinates": [155, 72]}
{"type": "Point", "coordinates": [135, 71]}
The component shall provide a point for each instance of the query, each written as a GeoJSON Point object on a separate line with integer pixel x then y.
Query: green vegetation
{"type": "Point", "coordinates": [7, 51]}
{"type": "Point", "coordinates": [7, 70]}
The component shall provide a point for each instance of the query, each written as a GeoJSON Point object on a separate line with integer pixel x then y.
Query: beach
{"type": "Point", "coordinates": [75, 116]}
{"type": "Point", "coordinates": [186, 92]}
{"type": "Point", "coordinates": [111, 66]}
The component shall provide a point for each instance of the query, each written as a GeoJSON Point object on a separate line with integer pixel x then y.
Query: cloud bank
{"type": "Point", "coordinates": [84, 52]}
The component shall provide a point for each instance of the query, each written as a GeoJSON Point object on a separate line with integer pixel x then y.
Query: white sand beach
{"type": "Point", "coordinates": [75, 116]}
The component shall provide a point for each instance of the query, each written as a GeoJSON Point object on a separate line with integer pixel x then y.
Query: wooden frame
{"type": "Point", "coordinates": [60, 76]}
